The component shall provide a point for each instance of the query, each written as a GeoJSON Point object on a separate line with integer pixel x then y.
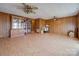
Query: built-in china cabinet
{"type": "Point", "coordinates": [20, 26]}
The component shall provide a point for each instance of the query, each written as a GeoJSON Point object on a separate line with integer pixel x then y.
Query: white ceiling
{"type": "Point", "coordinates": [45, 10]}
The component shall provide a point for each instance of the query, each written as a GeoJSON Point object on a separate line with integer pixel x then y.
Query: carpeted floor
{"type": "Point", "coordinates": [39, 45]}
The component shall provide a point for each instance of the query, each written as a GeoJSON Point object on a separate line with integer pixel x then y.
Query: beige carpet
{"type": "Point", "coordinates": [39, 44]}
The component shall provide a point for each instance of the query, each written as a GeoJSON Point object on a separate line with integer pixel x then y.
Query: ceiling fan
{"type": "Point", "coordinates": [29, 8]}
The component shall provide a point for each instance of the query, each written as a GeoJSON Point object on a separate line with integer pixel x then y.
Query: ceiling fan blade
{"type": "Point", "coordinates": [24, 4]}
{"type": "Point", "coordinates": [35, 8]}
{"type": "Point", "coordinates": [33, 12]}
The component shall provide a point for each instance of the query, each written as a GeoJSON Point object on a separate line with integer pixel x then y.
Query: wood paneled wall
{"type": "Point", "coordinates": [4, 25]}
{"type": "Point", "coordinates": [63, 25]}
{"type": "Point", "coordinates": [78, 24]}
{"type": "Point", "coordinates": [35, 25]}
{"type": "Point", "coordinates": [60, 26]}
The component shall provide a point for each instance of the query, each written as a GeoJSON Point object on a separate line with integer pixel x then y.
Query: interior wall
{"type": "Point", "coordinates": [38, 24]}
{"type": "Point", "coordinates": [4, 25]}
{"type": "Point", "coordinates": [35, 25]}
{"type": "Point", "coordinates": [60, 26]}
{"type": "Point", "coordinates": [78, 24]}
{"type": "Point", "coordinates": [64, 25]}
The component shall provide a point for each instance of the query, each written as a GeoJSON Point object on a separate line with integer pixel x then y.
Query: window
{"type": "Point", "coordinates": [20, 23]}
{"type": "Point", "coordinates": [17, 23]}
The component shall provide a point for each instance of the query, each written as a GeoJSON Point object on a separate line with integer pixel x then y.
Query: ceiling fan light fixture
{"type": "Point", "coordinates": [54, 18]}
{"type": "Point", "coordinates": [29, 8]}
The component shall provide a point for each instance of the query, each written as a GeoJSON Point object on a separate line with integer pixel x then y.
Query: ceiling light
{"type": "Point", "coordinates": [54, 18]}
{"type": "Point", "coordinates": [29, 8]}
